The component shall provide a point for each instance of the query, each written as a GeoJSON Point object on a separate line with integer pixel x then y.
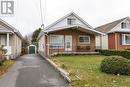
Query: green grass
{"type": "Point", "coordinates": [84, 72]}
{"type": "Point", "coordinates": [5, 66]}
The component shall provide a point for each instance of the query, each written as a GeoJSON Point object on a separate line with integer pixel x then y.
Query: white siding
{"type": "Point", "coordinates": [104, 42]}
{"type": "Point", "coordinates": [41, 45]}
{"type": "Point", "coordinates": [64, 22]}
{"type": "Point", "coordinates": [119, 29]}
{"type": "Point", "coordinates": [98, 42]}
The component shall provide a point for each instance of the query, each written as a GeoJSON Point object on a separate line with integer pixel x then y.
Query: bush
{"type": "Point", "coordinates": [125, 54]}
{"type": "Point", "coordinates": [115, 65]}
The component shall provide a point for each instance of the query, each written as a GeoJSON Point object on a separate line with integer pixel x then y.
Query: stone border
{"type": "Point", "coordinates": [62, 72]}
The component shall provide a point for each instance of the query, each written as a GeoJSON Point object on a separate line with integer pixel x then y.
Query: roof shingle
{"type": "Point", "coordinates": [107, 27]}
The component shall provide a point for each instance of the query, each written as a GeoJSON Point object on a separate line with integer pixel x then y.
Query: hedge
{"type": "Point", "coordinates": [125, 54]}
{"type": "Point", "coordinates": [115, 65]}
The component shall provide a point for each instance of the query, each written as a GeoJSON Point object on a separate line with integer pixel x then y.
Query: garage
{"type": "Point", "coordinates": [31, 49]}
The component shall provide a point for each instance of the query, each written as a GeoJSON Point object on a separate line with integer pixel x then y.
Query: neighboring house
{"type": "Point", "coordinates": [69, 34]}
{"type": "Point", "coordinates": [11, 39]}
{"type": "Point", "coordinates": [117, 34]}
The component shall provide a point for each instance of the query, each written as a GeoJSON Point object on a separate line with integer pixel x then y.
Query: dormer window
{"type": "Point", "coordinates": [123, 25]}
{"type": "Point", "coordinates": [71, 21]}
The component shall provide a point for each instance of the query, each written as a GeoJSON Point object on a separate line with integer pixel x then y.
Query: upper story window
{"type": "Point", "coordinates": [71, 21]}
{"type": "Point", "coordinates": [123, 25]}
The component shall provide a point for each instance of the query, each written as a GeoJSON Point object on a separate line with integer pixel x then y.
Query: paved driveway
{"type": "Point", "coordinates": [32, 71]}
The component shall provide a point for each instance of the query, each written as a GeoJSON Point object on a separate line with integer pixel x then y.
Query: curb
{"type": "Point", "coordinates": [62, 72]}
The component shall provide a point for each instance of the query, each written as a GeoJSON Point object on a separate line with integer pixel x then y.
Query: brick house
{"type": "Point", "coordinates": [68, 34]}
{"type": "Point", "coordinates": [117, 34]}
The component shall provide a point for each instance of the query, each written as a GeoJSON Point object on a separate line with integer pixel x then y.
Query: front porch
{"type": "Point", "coordinates": [70, 41]}
{"type": "Point", "coordinates": [5, 42]}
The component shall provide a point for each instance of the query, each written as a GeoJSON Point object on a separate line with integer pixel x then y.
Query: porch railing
{"type": "Point", "coordinates": [2, 54]}
{"type": "Point", "coordinates": [58, 49]}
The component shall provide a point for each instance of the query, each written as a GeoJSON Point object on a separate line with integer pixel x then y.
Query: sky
{"type": "Point", "coordinates": [27, 16]}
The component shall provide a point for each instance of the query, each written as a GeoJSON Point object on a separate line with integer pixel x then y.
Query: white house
{"type": "Point", "coordinates": [11, 39]}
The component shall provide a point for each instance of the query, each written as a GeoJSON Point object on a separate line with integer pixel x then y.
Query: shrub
{"type": "Point", "coordinates": [115, 65]}
{"type": "Point", "coordinates": [125, 54]}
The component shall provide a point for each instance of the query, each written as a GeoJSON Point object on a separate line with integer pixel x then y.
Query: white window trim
{"type": "Point", "coordinates": [72, 19]}
{"type": "Point", "coordinates": [84, 42]}
{"type": "Point", "coordinates": [51, 43]}
{"type": "Point", "coordinates": [123, 41]}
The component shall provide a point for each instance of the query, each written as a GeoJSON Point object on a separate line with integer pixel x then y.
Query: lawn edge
{"type": "Point", "coordinates": [3, 75]}
{"type": "Point", "coordinates": [61, 71]}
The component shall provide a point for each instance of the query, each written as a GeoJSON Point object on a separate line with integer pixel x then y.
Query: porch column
{"type": "Point", "coordinates": [100, 41]}
{"type": "Point", "coordinates": [7, 39]}
{"type": "Point", "coordinates": [7, 46]}
{"type": "Point", "coordinates": [116, 47]}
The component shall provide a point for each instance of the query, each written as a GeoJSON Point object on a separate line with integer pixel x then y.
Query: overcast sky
{"type": "Point", "coordinates": [96, 12]}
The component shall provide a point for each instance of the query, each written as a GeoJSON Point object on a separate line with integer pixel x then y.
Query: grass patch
{"type": "Point", "coordinates": [5, 66]}
{"type": "Point", "coordinates": [84, 72]}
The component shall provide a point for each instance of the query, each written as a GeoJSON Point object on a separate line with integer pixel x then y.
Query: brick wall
{"type": "Point", "coordinates": [75, 39]}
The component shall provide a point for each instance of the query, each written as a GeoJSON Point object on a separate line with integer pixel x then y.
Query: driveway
{"type": "Point", "coordinates": [32, 71]}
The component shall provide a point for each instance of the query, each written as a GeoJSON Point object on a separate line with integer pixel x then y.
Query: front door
{"type": "Point", "coordinates": [68, 43]}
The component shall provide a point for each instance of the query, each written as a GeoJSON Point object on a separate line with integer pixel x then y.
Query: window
{"type": "Point", "coordinates": [71, 21]}
{"type": "Point", "coordinates": [2, 40]}
{"type": "Point", "coordinates": [57, 41]}
{"type": "Point", "coordinates": [126, 39]}
{"type": "Point", "coordinates": [84, 39]}
{"type": "Point", "coordinates": [123, 25]}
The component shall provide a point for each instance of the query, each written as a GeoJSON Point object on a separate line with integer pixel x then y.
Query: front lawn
{"type": "Point", "coordinates": [84, 72]}
{"type": "Point", "coordinates": [5, 66]}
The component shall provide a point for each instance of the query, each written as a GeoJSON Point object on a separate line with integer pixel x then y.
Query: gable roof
{"type": "Point", "coordinates": [9, 29]}
{"type": "Point", "coordinates": [71, 13]}
{"type": "Point", "coordinates": [109, 26]}
{"type": "Point", "coordinates": [50, 29]}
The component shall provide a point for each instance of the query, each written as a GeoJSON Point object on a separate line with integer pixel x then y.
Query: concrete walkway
{"type": "Point", "coordinates": [32, 71]}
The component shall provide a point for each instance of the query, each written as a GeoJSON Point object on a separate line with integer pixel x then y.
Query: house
{"type": "Point", "coordinates": [68, 34]}
{"type": "Point", "coordinates": [117, 34]}
{"type": "Point", "coordinates": [11, 39]}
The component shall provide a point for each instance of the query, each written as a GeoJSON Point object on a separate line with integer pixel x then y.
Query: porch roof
{"type": "Point", "coordinates": [79, 27]}
{"type": "Point", "coordinates": [4, 30]}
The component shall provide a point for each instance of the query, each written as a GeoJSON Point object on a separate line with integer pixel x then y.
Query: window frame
{"type": "Point", "coordinates": [52, 43]}
{"type": "Point", "coordinates": [84, 42]}
{"type": "Point", "coordinates": [70, 21]}
{"type": "Point", "coordinates": [124, 38]}
{"type": "Point", "coordinates": [1, 39]}
{"type": "Point", "coordinates": [123, 25]}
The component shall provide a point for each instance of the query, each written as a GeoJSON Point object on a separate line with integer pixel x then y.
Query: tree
{"type": "Point", "coordinates": [35, 35]}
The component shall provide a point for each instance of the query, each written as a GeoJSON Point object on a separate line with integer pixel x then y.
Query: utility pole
{"type": "Point", "coordinates": [41, 12]}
